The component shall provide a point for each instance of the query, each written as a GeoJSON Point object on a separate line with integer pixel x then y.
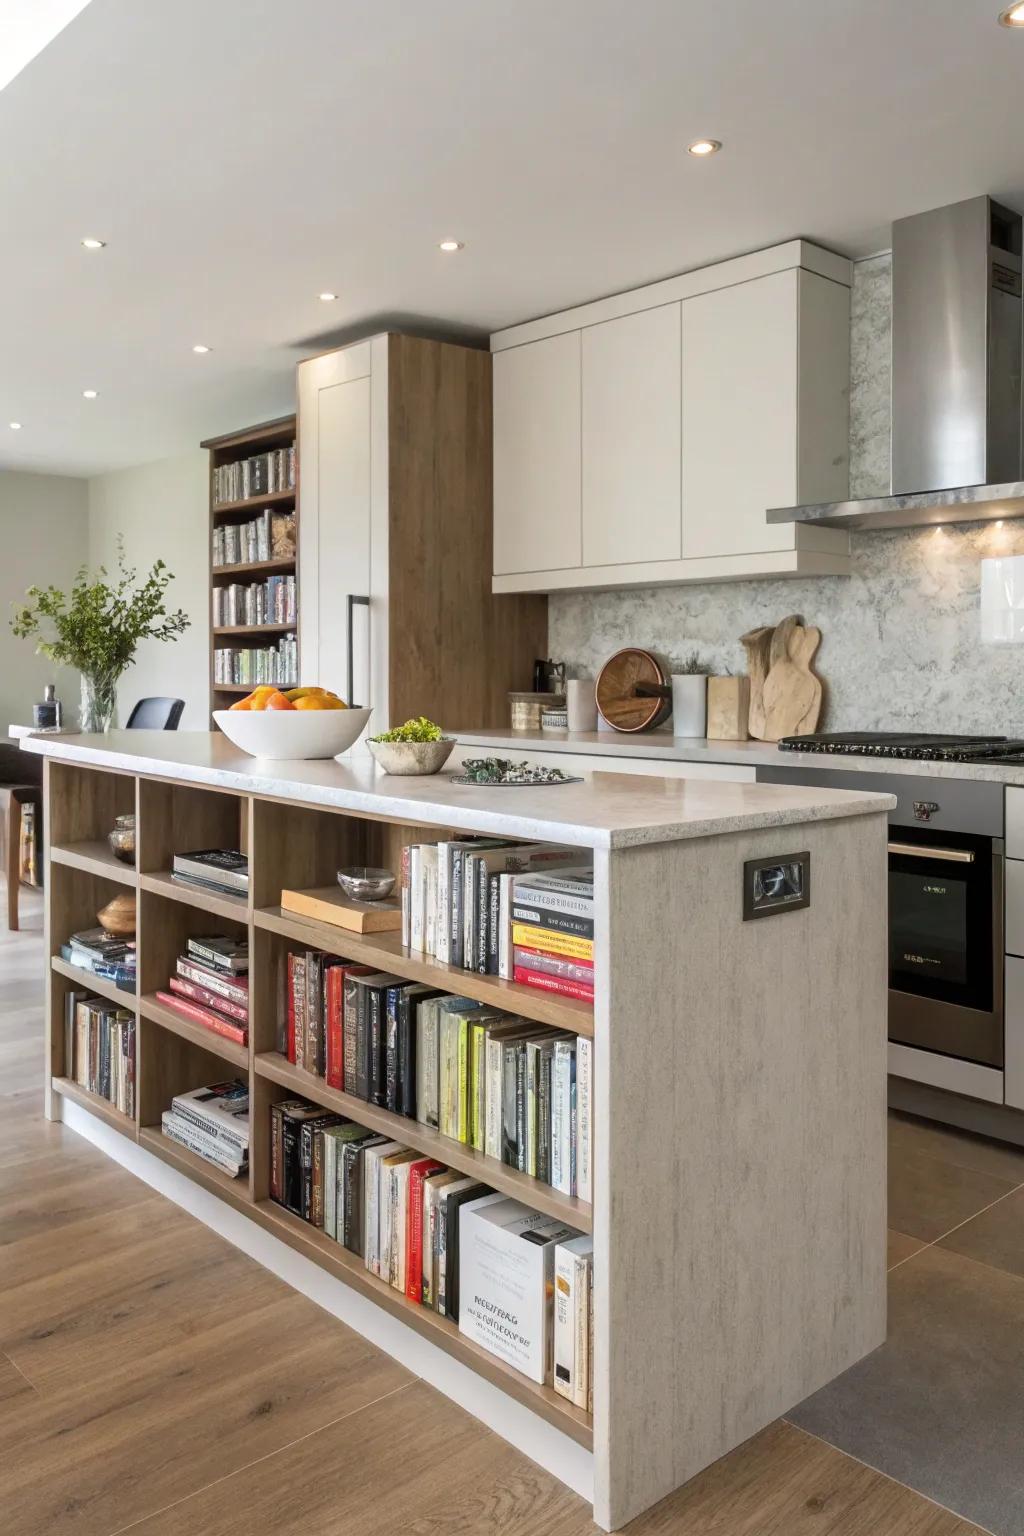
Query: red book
{"type": "Point", "coordinates": [418, 1171]}
{"type": "Point", "coordinates": [523, 949]}
{"type": "Point", "coordinates": [206, 1017]}
{"type": "Point", "coordinates": [209, 999]}
{"type": "Point", "coordinates": [333, 986]}
{"type": "Point", "coordinates": [548, 983]}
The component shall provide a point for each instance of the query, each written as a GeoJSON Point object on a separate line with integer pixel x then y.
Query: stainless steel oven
{"type": "Point", "coordinates": [945, 908]}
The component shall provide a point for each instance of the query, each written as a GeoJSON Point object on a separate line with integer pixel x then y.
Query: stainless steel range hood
{"type": "Point", "coordinates": [957, 344]}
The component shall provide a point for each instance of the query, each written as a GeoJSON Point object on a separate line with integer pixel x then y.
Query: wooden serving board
{"type": "Point", "coordinates": [329, 904]}
{"type": "Point", "coordinates": [633, 691]}
{"type": "Point", "coordinates": [785, 695]}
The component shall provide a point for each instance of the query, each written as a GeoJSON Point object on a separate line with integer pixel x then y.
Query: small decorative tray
{"type": "Point", "coordinates": [501, 772]}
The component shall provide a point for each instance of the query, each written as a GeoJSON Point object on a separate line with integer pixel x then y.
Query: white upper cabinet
{"type": "Point", "coordinates": [639, 440]}
{"type": "Point", "coordinates": [631, 429]}
{"type": "Point", "coordinates": [537, 456]}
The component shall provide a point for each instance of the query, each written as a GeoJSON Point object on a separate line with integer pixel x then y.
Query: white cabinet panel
{"type": "Point", "coordinates": [1014, 822]}
{"type": "Point", "coordinates": [739, 416]}
{"type": "Point", "coordinates": [631, 438]}
{"type": "Point", "coordinates": [537, 456]}
{"type": "Point", "coordinates": [1013, 1068]}
{"type": "Point", "coordinates": [1014, 906]}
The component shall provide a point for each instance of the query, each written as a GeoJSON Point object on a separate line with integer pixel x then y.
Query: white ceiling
{"type": "Point", "coordinates": [242, 155]}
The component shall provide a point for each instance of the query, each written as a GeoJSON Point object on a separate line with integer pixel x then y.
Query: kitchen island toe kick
{"type": "Point", "coordinates": [738, 1204]}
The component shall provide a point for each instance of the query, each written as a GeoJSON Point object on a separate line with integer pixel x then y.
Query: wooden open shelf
{"type": "Point", "coordinates": [255, 568]}
{"type": "Point", "coordinates": [96, 858]}
{"type": "Point", "coordinates": [161, 883]}
{"type": "Point", "coordinates": [349, 1267]}
{"type": "Point", "coordinates": [253, 503]}
{"type": "Point", "coordinates": [235, 1190]}
{"type": "Point", "coordinates": [95, 1104]}
{"type": "Point", "coordinates": [254, 629]}
{"type": "Point", "coordinates": [385, 952]}
{"type": "Point", "coordinates": [425, 1139]}
{"type": "Point", "coordinates": [87, 982]}
{"type": "Point", "coordinates": [168, 1018]}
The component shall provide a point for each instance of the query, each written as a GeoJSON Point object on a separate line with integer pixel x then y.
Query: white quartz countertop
{"type": "Point", "coordinates": [753, 754]}
{"type": "Point", "coordinates": [605, 810]}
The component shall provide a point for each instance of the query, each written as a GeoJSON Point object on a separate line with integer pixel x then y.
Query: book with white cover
{"type": "Point", "coordinates": [417, 908]}
{"type": "Point", "coordinates": [571, 1374]}
{"type": "Point", "coordinates": [371, 1200]}
{"type": "Point", "coordinates": [563, 1093]}
{"type": "Point", "coordinates": [584, 1117]}
{"type": "Point", "coordinates": [506, 1278]}
{"type": "Point", "coordinates": [428, 875]}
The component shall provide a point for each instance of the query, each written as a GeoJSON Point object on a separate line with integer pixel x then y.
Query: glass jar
{"type": "Point", "coordinates": [122, 838]}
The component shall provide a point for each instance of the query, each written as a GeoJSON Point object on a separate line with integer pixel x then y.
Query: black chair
{"type": "Point", "coordinates": [156, 715]}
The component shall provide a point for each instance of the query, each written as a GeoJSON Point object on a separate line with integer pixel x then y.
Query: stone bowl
{"type": "Point", "coordinates": [408, 757]}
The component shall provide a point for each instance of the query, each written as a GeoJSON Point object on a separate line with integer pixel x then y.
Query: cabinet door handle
{"type": "Point", "coordinates": [948, 855]}
{"type": "Point", "coordinates": [365, 601]}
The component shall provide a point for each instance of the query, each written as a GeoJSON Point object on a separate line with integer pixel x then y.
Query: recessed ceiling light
{"type": "Point", "coordinates": [327, 298]}
{"type": "Point", "coordinates": [199, 347]}
{"type": "Point", "coordinates": [92, 244]}
{"type": "Point", "coordinates": [1013, 16]}
{"type": "Point", "coordinates": [15, 426]}
{"type": "Point", "coordinates": [89, 394]}
{"type": "Point", "coordinates": [457, 245]}
{"type": "Point", "coordinates": [709, 146]}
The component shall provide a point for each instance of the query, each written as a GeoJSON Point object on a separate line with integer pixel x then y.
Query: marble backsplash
{"type": "Point", "coordinates": [901, 644]}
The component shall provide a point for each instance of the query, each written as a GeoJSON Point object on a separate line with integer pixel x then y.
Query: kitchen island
{"type": "Point", "coordinates": [738, 1028]}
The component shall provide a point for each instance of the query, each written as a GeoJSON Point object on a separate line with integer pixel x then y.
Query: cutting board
{"type": "Point", "coordinates": [785, 695]}
{"type": "Point", "coordinates": [633, 691]}
{"type": "Point", "coordinates": [329, 904]}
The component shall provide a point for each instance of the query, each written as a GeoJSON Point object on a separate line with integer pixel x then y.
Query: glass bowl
{"type": "Point", "coordinates": [364, 884]}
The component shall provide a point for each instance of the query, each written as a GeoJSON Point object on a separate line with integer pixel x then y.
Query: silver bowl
{"type": "Point", "coordinates": [364, 884]}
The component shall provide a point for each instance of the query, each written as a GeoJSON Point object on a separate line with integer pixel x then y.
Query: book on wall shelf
{"type": "Point", "coordinates": [256, 464]}
{"type": "Point", "coordinates": [212, 1122]}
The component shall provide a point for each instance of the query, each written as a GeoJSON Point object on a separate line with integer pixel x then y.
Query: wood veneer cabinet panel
{"type": "Point", "coordinates": [180, 818]}
{"type": "Point", "coordinates": [456, 649]}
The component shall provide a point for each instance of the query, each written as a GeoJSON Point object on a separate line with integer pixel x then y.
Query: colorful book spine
{"type": "Point", "coordinates": [197, 1014]}
{"type": "Point", "coordinates": [532, 937]}
{"type": "Point", "coordinates": [561, 985]}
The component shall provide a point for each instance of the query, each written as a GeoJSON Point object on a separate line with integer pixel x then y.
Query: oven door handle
{"type": "Point", "coordinates": [947, 855]}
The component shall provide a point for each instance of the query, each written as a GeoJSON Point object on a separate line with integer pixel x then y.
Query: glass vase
{"type": "Point", "coordinates": [99, 701]}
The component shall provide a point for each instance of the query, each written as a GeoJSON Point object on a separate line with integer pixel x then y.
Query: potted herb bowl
{"type": "Point", "coordinates": [417, 747]}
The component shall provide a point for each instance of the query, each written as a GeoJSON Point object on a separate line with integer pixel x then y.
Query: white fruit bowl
{"type": "Point", "coordinates": [292, 734]}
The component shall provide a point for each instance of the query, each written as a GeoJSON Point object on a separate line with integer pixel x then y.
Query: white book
{"type": "Point", "coordinates": [534, 898]}
{"type": "Point", "coordinates": [506, 1279]}
{"type": "Point", "coordinates": [428, 866]}
{"type": "Point", "coordinates": [390, 1191]}
{"type": "Point", "coordinates": [330, 1155]}
{"type": "Point", "coordinates": [584, 1117]}
{"type": "Point", "coordinates": [443, 923]}
{"type": "Point", "coordinates": [371, 1201]}
{"type": "Point", "coordinates": [563, 1075]}
{"type": "Point", "coordinates": [505, 959]}
{"type": "Point", "coordinates": [417, 910]}
{"type": "Point", "coordinates": [570, 1374]}
{"type": "Point", "coordinates": [433, 1188]}
{"type": "Point", "coordinates": [399, 1219]}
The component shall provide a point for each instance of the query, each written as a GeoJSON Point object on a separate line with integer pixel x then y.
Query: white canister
{"type": "Point", "coordinates": [689, 704]}
{"type": "Point", "coordinates": [581, 704]}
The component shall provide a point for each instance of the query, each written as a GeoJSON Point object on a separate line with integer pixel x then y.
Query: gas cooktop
{"type": "Point", "coordinates": [923, 747]}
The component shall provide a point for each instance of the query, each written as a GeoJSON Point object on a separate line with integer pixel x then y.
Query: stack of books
{"type": "Point", "coordinates": [257, 602]}
{"type": "Point", "coordinates": [259, 475]}
{"type": "Point", "coordinates": [277, 664]}
{"type": "Point", "coordinates": [99, 1048]}
{"type": "Point", "coordinates": [213, 869]}
{"type": "Point", "coordinates": [211, 986]}
{"type": "Point", "coordinates": [517, 1091]}
{"type": "Point", "coordinates": [102, 954]}
{"type": "Point", "coordinates": [271, 536]}
{"type": "Point", "coordinates": [213, 1122]}
{"type": "Point", "coordinates": [553, 933]}
{"type": "Point", "coordinates": [456, 897]}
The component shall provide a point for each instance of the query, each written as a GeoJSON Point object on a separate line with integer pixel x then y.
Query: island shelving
{"type": "Point", "coordinates": [736, 1063]}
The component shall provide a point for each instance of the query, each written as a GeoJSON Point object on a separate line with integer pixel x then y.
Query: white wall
{"type": "Point", "coordinates": [162, 512]}
{"type": "Point", "coordinates": [44, 538]}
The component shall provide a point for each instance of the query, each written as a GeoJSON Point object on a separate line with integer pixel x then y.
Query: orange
{"type": "Point", "coordinates": [242, 704]}
{"type": "Point", "coordinates": [277, 700]}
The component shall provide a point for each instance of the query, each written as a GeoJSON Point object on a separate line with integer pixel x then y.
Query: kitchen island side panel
{"type": "Point", "coordinates": [740, 1215]}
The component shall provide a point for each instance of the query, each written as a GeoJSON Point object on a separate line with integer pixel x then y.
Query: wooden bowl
{"type": "Point", "coordinates": [633, 691]}
{"type": "Point", "coordinates": [118, 917]}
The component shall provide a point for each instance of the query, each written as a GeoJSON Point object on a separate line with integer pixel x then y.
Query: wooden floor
{"type": "Point", "coordinates": [154, 1379]}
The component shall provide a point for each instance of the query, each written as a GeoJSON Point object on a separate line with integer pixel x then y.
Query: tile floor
{"type": "Point", "coordinates": [940, 1407]}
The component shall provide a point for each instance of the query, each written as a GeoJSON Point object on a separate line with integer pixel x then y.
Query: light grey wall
{"type": "Point", "coordinates": [162, 512]}
{"type": "Point", "coordinates": [44, 538]}
{"type": "Point", "coordinates": [901, 642]}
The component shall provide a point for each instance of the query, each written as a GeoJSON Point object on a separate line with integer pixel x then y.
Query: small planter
{"type": "Point", "coordinates": [408, 757]}
{"type": "Point", "coordinates": [689, 704]}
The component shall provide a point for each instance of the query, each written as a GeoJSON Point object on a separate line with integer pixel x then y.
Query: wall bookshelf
{"type": "Point", "coordinates": [235, 448]}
